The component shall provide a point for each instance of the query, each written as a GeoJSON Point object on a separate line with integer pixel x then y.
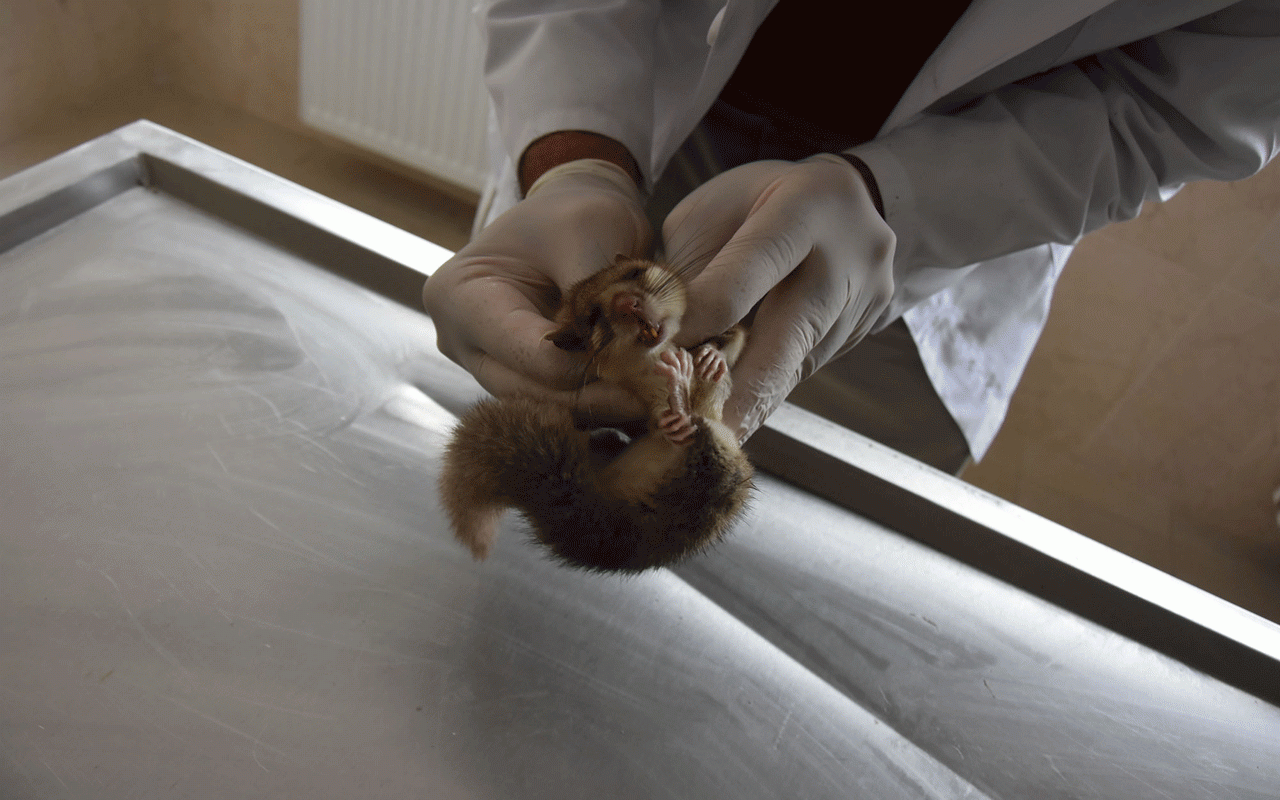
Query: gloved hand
{"type": "Point", "coordinates": [805, 241]}
{"type": "Point", "coordinates": [493, 301]}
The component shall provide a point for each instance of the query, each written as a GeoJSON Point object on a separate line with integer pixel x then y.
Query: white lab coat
{"type": "Point", "coordinates": [986, 182]}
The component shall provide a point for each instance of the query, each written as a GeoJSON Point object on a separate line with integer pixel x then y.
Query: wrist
{"type": "Point", "coordinates": [561, 147]}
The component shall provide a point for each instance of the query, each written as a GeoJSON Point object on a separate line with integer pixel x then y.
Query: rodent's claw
{"type": "Point", "coordinates": [678, 361]}
{"type": "Point", "coordinates": [677, 366]}
{"type": "Point", "coordinates": [676, 423]}
{"type": "Point", "coordinates": [710, 361]}
{"type": "Point", "coordinates": [677, 427]}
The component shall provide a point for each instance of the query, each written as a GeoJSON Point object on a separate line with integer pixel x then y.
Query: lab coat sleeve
{"type": "Point", "coordinates": [1051, 157]}
{"type": "Point", "coordinates": [555, 65]}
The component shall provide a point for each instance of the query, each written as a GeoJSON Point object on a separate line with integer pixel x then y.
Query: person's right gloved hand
{"type": "Point", "coordinates": [804, 244]}
{"type": "Point", "coordinates": [493, 302]}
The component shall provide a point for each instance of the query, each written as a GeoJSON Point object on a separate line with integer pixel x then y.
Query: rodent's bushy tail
{"type": "Point", "coordinates": [526, 454]}
{"type": "Point", "coordinates": [515, 452]}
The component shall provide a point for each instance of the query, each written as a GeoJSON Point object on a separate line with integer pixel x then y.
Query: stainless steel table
{"type": "Point", "coordinates": [223, 571]}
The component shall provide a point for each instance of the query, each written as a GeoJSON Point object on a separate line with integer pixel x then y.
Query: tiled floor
{"type": "Point", "coordinates": [1149, 417]}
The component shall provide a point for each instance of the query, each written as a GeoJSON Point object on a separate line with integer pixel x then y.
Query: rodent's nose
{"type": "Point", "coordinates": [627, 304]}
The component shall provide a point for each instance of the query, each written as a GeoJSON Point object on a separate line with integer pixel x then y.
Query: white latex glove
{"type": "Point", "coordinates": [493, 301]}
{"type": "Point", "coordinates": [802, 239]}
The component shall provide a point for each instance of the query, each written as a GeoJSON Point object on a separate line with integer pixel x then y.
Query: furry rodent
{"type": "Point", "coordinates": [668, 494]}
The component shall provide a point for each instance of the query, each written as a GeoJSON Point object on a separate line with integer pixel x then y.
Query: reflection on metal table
{"type": "Point", "coordinates": [223, 570]}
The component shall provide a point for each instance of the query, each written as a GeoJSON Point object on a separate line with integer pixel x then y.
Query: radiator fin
{"type": "Point", "coordinates": [401, 78]}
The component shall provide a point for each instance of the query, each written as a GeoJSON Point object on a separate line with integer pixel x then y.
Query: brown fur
{"type": "Point", "coordinates": [668, 494]}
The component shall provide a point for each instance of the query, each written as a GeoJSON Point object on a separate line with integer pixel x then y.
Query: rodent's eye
{"type": "Point", "coordinates": [594, 314]}
{"type": "Point", "coordinates": [633, 274]}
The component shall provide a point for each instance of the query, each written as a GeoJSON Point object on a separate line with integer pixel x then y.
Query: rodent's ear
{"type": "Point", "coordinates": [568, 339]}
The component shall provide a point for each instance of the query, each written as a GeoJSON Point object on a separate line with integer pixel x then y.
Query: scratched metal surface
{"type": "Point", "coordinates": [223, 573]}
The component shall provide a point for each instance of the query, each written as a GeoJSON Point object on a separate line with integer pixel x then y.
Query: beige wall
{"type": "Point", "coordinates": [57, 56]}
{"type": "Point", "coordinates": [243, 54]}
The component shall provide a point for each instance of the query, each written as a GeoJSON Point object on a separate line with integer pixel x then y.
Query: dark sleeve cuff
{"type": "Point", "coordinates": [561, 147]}
{"type": "Point", "coordinates": [865, 172]}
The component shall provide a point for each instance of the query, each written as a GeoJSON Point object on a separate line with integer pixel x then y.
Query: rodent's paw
{"type": "Point", "coordinates": [676, 423]}
{"type": "Point", "coordinates": [678, 427]}
{"type": "Point", "coordinates": [710, 363]}
{"type": "Point", "coordinates": [676, 364]}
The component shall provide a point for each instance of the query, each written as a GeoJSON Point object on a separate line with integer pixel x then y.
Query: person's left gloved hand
{"type": "Point", "coordinates": [802, 239]}
{"type": "Point", "coordinates": [493, 303]}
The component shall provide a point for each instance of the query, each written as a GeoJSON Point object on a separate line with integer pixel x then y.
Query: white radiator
{"type": "Point", "coordinates": [402, 78]}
